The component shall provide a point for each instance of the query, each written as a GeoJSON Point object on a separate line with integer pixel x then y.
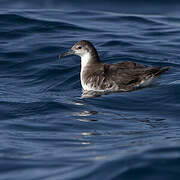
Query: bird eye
{"type": "Point", "coordinates": [79, 47]}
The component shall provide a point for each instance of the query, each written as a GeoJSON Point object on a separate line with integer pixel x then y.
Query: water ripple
{"type": "Point", "coordinates": [49, 132]}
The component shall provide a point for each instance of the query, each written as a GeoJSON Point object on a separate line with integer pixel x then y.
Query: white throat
{"type": "Point", "coordinates": [84, 60]}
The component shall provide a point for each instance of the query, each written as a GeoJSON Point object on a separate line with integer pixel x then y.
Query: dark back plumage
{"type": "Point", "coordinates": [126, 75]}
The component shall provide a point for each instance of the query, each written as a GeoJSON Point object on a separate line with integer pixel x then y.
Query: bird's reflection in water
{"type": "Point", "coordinates": [86, 116]}
{"type": "Point", "coordinates": [90, 133]}
{"type": "Point", "coordinates": [80, 116]}
{"type": "Point", "coordinates": [83, 115]}
{"type": "Point", "coordinates": [86, 113]}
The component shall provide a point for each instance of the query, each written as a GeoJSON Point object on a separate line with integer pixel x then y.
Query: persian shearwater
{"type": "Point", "coordinates": [123, 76]}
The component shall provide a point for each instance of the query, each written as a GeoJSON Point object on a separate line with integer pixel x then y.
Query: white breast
{"type": "Point", "coordinates": [84, 61]}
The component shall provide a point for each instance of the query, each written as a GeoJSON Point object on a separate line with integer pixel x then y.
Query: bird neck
{"type": "Point", "coordinates": [88, 59]}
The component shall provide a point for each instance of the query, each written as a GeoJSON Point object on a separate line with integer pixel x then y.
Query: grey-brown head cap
{"type": "Point", "coordinates": [80, 48]}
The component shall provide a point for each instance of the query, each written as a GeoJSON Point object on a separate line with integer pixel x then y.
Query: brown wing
{"type": "Point", "coordinates": [127, 75]}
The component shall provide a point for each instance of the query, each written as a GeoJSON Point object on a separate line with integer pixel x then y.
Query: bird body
{"type": "Point", "coordinates": [122, 76]}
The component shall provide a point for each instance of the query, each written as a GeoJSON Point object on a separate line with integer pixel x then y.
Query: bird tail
{"type": "Point", "coordinates": [162, 70]}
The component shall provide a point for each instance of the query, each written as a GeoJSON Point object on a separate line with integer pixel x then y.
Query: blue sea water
{"type": "Point", "coordinates": [48, 132]}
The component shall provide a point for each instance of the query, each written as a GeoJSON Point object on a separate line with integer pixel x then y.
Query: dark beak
{"type": "Point", "coordinates": [66, 54]}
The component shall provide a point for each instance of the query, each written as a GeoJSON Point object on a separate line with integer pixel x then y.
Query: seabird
{"type": "Point", "coordinates": [122, 76]}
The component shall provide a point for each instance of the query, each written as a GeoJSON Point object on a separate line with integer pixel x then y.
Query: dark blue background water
{"type": "Point", "coordinates": [48, 132]}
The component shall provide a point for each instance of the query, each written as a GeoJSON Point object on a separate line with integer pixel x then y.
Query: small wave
{"type": "Point", "coordinates": [44, 123]}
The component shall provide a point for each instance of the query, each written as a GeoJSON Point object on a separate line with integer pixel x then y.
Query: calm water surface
{"type": "Point", "coordinates": [48, 132]}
